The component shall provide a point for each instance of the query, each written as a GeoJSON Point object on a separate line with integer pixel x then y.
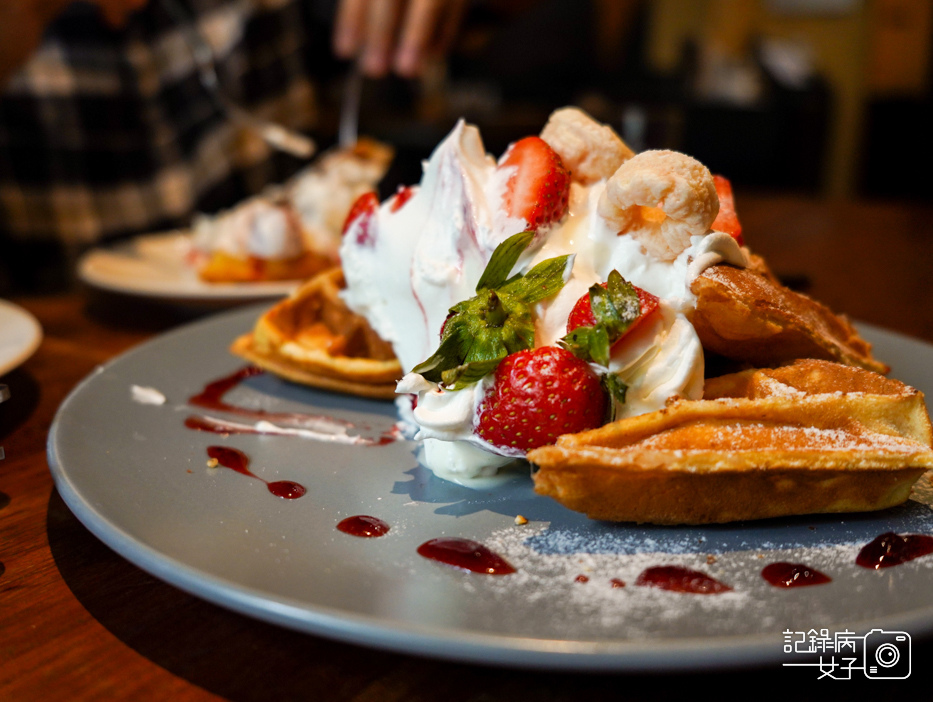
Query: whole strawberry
{"type": "Point", "coordinates": [539, 188]}
{"type": "Point", "coordinates": [539, 394]}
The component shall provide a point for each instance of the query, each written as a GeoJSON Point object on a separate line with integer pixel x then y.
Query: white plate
{"type": "Point", "coordinates": [20, 336]}
{"type": "Point", "coordinates": [137, 478]}
{"type": "Point", "coordinates": [156, 266]}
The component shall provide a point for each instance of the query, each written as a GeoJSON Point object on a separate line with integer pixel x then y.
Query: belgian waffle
{"type": "Point", "coordinates": [312, 338]}
{"type": "Point", "coordinates": [811, 437]}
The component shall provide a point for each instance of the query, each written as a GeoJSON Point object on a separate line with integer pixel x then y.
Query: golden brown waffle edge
{"type": "Point", "coordinates": [745, 314]}
{"type": "Point", "coordinates": [814, 437]}
{"type": "Point", "coordinates": [312, 338]}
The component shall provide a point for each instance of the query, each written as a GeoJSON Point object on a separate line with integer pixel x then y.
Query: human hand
{"type": "Point", "coordinates": [395, 35]}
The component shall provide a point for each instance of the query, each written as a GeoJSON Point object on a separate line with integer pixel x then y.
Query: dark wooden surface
{"type": "Point", "coordinates": [78, 622]}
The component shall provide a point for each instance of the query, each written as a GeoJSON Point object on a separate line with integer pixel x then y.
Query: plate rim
{"type": "Point", "coordinates": [203, 292]}
{"type": "Point", "coordinates": [35, 339]}
{"type": "Point", "coordinates": [649, 655]}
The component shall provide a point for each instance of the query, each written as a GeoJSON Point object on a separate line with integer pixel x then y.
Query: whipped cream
{"type": "Point", "coordinates": [263, 227]}
{"type": "Point", "coordinates": [415, 263]}
{"type": "Point", "coordinates": [323, 193]}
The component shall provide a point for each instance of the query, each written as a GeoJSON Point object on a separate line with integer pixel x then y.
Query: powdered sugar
{"type": "Point", "coordinates": [549, 559]}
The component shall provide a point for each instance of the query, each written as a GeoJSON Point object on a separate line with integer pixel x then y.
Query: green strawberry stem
{"type": "Point", "coordinates": [498, 320]}
{"type": "Point", "coordinates": [615, 309]}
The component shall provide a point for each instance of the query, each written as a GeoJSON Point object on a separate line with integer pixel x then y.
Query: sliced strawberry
{"type": "Point", "coordinates": [582, 313]}
{"type": "Point", "coordinates": [539, 188]}
{"type": "Point", "coordinates": [727, 221]}
{"type": "Point", "coordinates": [402, 195]}
{"type": "Point", "coordinates": [539, 394]}
{"type": "Point", "coordinates": [364, 206]}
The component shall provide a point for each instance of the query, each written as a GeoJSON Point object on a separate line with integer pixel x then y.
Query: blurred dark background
{"type": "Point", "coordinates": [826, 98]}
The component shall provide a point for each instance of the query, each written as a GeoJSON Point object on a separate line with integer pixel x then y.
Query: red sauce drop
{"type": "Point", "coordinates": [465, 554]}
{"type": "Point", "coordinates": [581, 579]}
{"type": "Point", "coordinates": [234, 459]}
{"type": "Point", "coordinates": [286, 489]}
{"type": "Point", "coordinates": [892, 549]}
{"type": "Point", "coordinates": [793, 575]}
{"type": "Point", "coordinates": [363, 525]}
{"type": "Point", "coordinates": [679, 579]}
{"type": "Point", "coordinates": [615, 582]}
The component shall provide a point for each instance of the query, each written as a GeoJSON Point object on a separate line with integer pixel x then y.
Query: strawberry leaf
{"type": "Point", "coordinates": [503, 259]}
{"type": "Point", "coordinates": [624, 298]}
{"type": "Point", "coordinates": [542, 281]}
{"type": "Point", "coordinates": [604, 310]}
{"type": "Point", "coordinates": [616, 388]}
{"type": "Point", "coordinates": [590, 344]}
{"type": "Point", "coordinates": [468, 373]}
{"type": "Point", "coordinates": [615, 308]}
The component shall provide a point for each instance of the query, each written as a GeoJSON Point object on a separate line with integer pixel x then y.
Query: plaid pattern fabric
{"type": "Point", "coordinates": [106, 133]}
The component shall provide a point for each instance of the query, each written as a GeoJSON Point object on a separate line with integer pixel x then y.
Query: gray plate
{"type": "Point", "coordinates": [137, 478]}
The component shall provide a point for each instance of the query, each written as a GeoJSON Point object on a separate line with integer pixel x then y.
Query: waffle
{"type": "Point", "coordinates": [746, 315]}
{"type": "Point", "coordinates": [811, 437]}
{"type": "Point", "coordinates": [313, 339]}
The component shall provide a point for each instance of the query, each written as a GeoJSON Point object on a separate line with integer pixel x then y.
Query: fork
{"type": "Point", "coordinates": [282, 138]}
{"type": "Point", "coordinates": [348, 129]}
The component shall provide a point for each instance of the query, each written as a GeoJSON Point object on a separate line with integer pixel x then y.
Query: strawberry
{"type": "Point", "coordinates": [727, 221]}
{"type": "Point", "coordinates": [539, 394]}
{"type": "Point", "coordinates": [362, 209]}
{"type": "Point", "coordinates": [602, 317]}
{"type": "Point", "coordinates": [539, 188]}
{"type": "Point", "coordinates": [402, 195]}
{"type": "Point", "coordinates": [582, 313]}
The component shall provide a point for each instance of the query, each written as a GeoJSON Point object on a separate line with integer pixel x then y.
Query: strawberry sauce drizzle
{"type": "Point", "coordinates": [236, 460]}
{"type": "Point", "coordinates": [312, 426]}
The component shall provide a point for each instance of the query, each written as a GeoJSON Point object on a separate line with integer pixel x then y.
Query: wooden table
{"type": "Point", "coordinates": [78, 622]}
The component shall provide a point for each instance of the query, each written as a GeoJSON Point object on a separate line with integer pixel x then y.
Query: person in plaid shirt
{"type": "Point", "coordinates": [106, 131]}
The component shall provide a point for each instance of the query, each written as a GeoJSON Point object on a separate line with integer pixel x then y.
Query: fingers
{"type": "Point", "coordinates": [447, 27]}
{"type": "Point", "coordinates": [350, 28]}
{"type": "Point", "coordinates": [381, 26]}
{"type": "Point", "coordinates": [418, 33]}
{"type": "Point", "coordinates": [365, 30]}
{"type": "Point", "coordinates": [397, 35]}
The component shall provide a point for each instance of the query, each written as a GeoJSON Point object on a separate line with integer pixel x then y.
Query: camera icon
{"type": "Point", "coordinates": [887, 655]}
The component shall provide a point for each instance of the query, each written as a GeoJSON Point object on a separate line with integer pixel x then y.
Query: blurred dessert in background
{"type": "Point", "coordinates": [292, 231]}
